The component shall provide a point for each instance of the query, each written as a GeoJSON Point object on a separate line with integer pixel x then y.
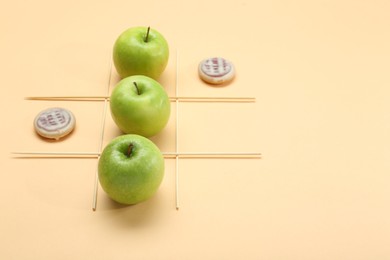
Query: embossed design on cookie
{"type": "Point", "coordinates": [216, 67]}
{"type": "Point", "coordinates": [54, 119]}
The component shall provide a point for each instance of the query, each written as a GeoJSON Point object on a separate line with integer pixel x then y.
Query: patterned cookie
{"type": "Point", "coordinates": [54, 123]}
{"type": "Point", "coordinates": [216, 70]}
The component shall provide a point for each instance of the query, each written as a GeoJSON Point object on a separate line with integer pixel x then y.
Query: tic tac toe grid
{"type": "Point", "coordinates": [176, 155]}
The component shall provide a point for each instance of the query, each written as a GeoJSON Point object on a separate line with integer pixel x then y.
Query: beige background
{"type": "Point", "coordinates": [319, 71]}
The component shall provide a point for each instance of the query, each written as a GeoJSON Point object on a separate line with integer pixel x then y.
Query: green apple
{"type": "Point", "coordinates": [130, 169]}
{"type": "Point", "coordinates": [140, 105]}
{"type": "Point", "coordinates": [140, 51]}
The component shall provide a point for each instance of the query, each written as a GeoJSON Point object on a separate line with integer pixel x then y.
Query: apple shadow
{"type": "Point", "coordinates": [165, 81]}
{"type": "Point", "coordinates": [115, 79]}
{"type": "Point", "coordinates": [161, 138]}
{"type": "Point", "coordinates": [132, 216]}
{"type": "Point", "coordinates": [113, 205]}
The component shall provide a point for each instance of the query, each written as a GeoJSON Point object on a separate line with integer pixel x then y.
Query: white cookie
{"type": "Point", "coordinates": [54, 123]}
{"type": "Point", "coordinates": [216, 70]}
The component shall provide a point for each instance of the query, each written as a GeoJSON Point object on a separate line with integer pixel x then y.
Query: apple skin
{"type": "Point", "coordinates": [133, 56]}
{"type": "Point", "coordinates": [145, 113]}
{"type": "Point", "coordinates": [130, 179]}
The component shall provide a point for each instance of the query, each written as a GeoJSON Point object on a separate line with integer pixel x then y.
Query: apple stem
{"type": "Point", "coordinates": [136, 86]}
{"type": "Point", "coordinates": [130, 149]}
{"type": "Point", "coordinates": [147, 35]}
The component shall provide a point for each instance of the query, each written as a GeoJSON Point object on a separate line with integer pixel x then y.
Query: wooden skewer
{"type": "Point", "coordinates": [212, 155]}
{"type": "Point", "coordinates": [56, 154]}
{"type": "Point", "coordinates": [69, 98]}
{"type": "Point", "coordinates": [166, 155]}
{"type": "Point", "coordinates": [177, 135]}
{"type": "Point", "coordinates": [172, 99]}
{"type": "Point", "coordinates": [96, 182]}
{"type": "Point", "coordinates": [215, 99]}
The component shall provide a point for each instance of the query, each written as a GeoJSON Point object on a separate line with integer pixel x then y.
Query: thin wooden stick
{"type": "Point", "coordinates": [177, 134]}
{"type": "Point", "coordinates": [215, 99]}
{"type": "Point", "coordinates": [172, 99]}
{"type": "Point", "coordinates": [213, 155]}
{"type": "Point", "coordinates": [96, 182]}
{"type": "Point", "coordinates": [166, 155]}
{"type": "Point", "coordinates": [69, 98]}
{"type": "Point", "coordinates": [55, 154]}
